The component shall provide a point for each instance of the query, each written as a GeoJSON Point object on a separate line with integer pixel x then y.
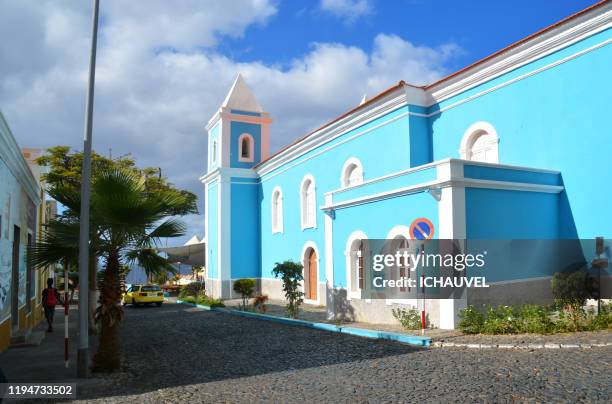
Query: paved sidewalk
{"type": "Point", "coordinates": [45, 362]}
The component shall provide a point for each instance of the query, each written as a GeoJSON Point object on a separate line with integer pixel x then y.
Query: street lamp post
{"type": "Point", "coordinates": [83, 352]}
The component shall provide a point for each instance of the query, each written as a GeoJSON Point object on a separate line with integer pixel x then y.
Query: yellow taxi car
{"type": "Point", "coordinates": [143, 294]}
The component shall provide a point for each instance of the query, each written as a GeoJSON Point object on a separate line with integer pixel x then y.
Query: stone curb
{"type": "Point", "coordinates": [546, 345]}
{"type": "Point", "coordinates": [359, 332]}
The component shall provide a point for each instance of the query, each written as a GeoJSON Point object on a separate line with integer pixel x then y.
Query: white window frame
{"type": "Point", "coordinates": [251, 156]}
{"type": "Point", "coordinates": [474, 132]}
{"type": "Point", "coordinates": [304, 218]}
{"type": "Point", "coordinates": [394, 234]}
{"type": "Point", "coordinates": [353, 292]}
{"type": "Point", "coordinates": [346, 169]}
{"type": "Point", "coordinates": [276, 210]}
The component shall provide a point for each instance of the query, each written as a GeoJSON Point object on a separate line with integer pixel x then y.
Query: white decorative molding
{"type": "Point", "coordinates": [278, 228]}
{"type": "Point", "coordinates": [303, 196]}
{"type": "Point", "coordinates": [546, 43]}
{"type": "Point", "coordinates": [251, 151]}
{"type": "Point", "coordinates": [351, 161]}
{"type": "Point", "coordinates": [471, 135]}
{"type": "Point", "coordinates": [388, 176]}
{"type": "Point", "coordinates": [354, 236]}
{"type": "Point", "coordinates": [329, 247]}
{"type": "Point", "coordinates": [229, 171]}
{"type": "Point", "coordinates": [399, 230]}
{"type": "Point", "coordinates": [455, 182]}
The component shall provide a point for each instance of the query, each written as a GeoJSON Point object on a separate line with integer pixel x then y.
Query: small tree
{"type": "Point", "coordinates": [291, 274]}
{"type": "Point", "coordinates": [246, 288]}
{"type": "Point", "coordinates": [570, 290]}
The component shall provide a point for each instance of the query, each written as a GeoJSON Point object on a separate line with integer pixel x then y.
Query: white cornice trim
{"type": "Point", "coordinates": [548, 42]}
{"type": "Point", "coordinates": [10, 153]}
{"type": "Point", "coordinates": [392, 101]}
{"type": "Point", "coordinates": [388, 176]}
{"type": "Point", "coordinates": [228, 172]}
{"type": "Point", "coordinates": [437, 163]}
{"type": "Point", "coordinates": [437, 184]}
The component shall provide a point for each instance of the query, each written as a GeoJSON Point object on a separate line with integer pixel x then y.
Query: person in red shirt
{"type": "Point", "coordinates": [50, 299]}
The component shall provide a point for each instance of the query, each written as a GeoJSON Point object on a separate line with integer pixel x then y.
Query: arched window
{"type": "Point", "coordinates": [397, 241]}
{"type": "Point", "coordinates": [246, 148]}
{"type": "Point", "coordinates": [277, 210]}
{"type": "Point", "coordinates": [352, 173]}
{"type": "Point", "coordinates": [308, 202]}
{"type": "Point", "coordinates": [480, 143]}
{"type": "Point", "coordinates": [356, 255]}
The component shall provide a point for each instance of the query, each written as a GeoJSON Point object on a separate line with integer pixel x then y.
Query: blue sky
{"type": "Point", "coordinates": [478, 27]}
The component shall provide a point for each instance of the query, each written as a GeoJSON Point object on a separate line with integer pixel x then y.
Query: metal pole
{"type": "Point", "coordinates": [66, 305]}
{"type": "Point", "coordinates": [83, 352]}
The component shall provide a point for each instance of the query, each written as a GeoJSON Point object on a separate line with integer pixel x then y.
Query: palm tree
{"type": "Point", "coordinates": [127, 223]}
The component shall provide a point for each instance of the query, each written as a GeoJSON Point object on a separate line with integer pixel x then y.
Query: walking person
{"type": "Point", "coordinates": [50, 299]}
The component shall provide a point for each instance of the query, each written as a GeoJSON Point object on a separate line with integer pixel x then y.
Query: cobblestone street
{"type": "Point", "coordinates": [181, 354]}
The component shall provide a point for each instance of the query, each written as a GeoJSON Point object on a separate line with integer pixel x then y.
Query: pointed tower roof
{"type": "Point", "coordinates": [241, 97]}
{"type": "Point", "coordinates": [193, 240]}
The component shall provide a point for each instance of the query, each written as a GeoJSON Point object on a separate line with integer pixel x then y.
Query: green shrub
{"type": "Point", "coordinates": [571, 289]}
{"type": "Point", "coordinates": [209, 301]}
{"type": "Point", "coordinates": [291, 275]}
{"type": "Point", "coordinates": [500, 320]}
{"type": "Point", "coordinates": [245, 288]}
{"type": "Point", "coordinates": [191, 289]}
{"type": "Point", "coordinates": [189, 299]}
{"type": "Point", "coordinates": [410, 319]}
{"type": "Point", "coordinates": [203, 300]}
{"type": "Point", "coordinates": [533, 318]}
{"type": "Point", "coordinates": [471, 320]}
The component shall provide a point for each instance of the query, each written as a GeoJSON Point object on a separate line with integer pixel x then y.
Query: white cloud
{"type": "Point", "coordinates": [160, 78]}
{"type": "Point", "coordinates": [350, 10]}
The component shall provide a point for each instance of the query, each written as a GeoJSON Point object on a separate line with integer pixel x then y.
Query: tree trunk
{"type": "Point", "coordinates": [109, 316]}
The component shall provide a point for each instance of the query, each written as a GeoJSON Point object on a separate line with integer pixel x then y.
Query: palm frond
{"type": "Point", "coordinates": [151, 262]}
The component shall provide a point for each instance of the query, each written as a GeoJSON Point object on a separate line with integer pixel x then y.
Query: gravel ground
{"type": "Point", "coordinates": [181, 354]}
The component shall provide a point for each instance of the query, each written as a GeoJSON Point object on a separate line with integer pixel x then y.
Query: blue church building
{"type": "Point", "coordinates": [515, 146]}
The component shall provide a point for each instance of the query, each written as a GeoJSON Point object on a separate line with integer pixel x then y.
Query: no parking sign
{"type": "Point", "coordinates": [421, 229]}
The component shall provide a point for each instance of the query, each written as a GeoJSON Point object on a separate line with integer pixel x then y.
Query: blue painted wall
{"type": "Point", "coordinates": [384, 147]}
{"type": "Point", "coordinates": [556, 119]}
{"type": "Point", "coordinates": [212, 199]}
{"type": "Point", "coordinates": [245, 248]}
{"type": "Point", "coordinates": [503, 214]}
